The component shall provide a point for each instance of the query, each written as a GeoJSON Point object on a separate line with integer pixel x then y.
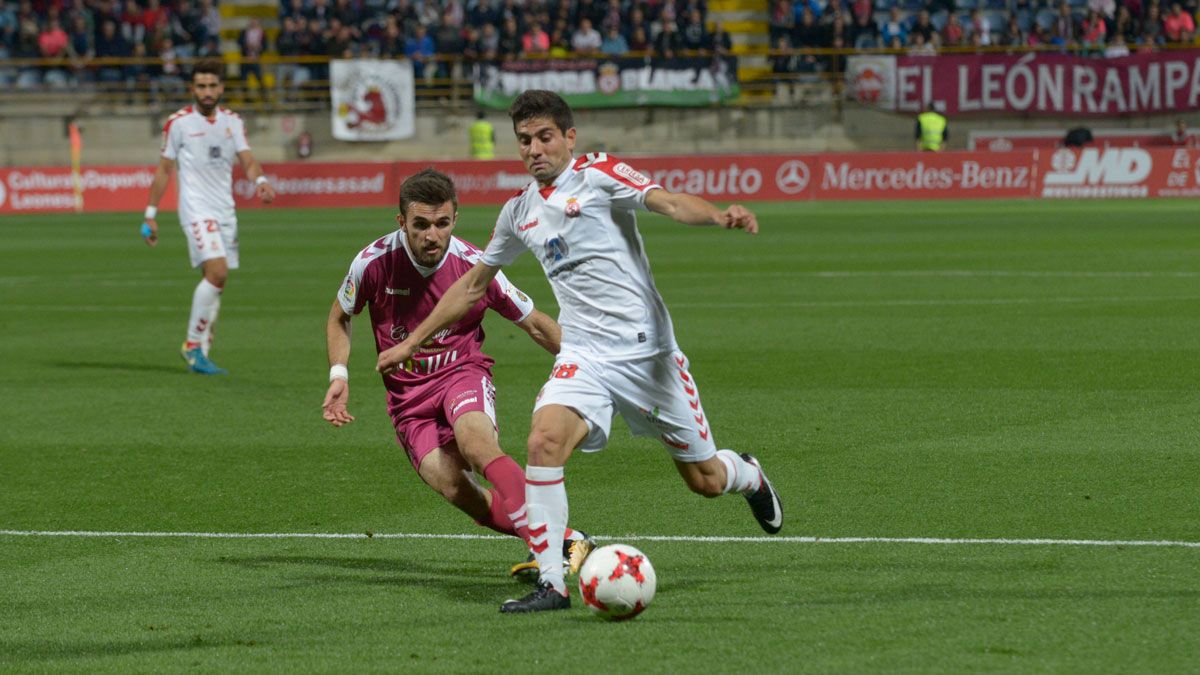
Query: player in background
{"type": "Point", "coordinates": [619, 353]}
{"type": "Point", "coordinates": [202, 140]}
{"type": "Point", "coordinates": [441, 400]}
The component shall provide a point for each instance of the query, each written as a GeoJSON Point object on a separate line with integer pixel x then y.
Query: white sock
{"type": "Point", "coordinates": [206, 300]}
{"type": "Point", "coordinates": [546, 505]}
{"type": "Point", "coordinates": [740, 475]}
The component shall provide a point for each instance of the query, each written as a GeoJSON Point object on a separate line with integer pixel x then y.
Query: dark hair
{"type": "Point", "coordinates": [541, 103]}
{"type": "Point", "coordinates": [427, 186]}
{"type": "Point", "coordinates": [209, 67]}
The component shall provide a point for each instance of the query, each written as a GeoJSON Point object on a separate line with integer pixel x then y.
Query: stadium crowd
{"type": "Point", "coordinates": [74, 33]}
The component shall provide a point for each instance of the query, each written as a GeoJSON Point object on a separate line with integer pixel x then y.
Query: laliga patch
{"type": "Point", "coordinates": [631, 174]}
{"type": "Point", "coordinates": [573, 209]}
{"type": "Point", "coordinates": [349, 290]}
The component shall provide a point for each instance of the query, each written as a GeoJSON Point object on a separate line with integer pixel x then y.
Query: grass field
{"type": "Point", "coordinates": [997, 370]}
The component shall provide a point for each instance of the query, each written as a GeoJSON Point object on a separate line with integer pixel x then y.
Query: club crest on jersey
{"type": "Point", "coordinates": [631, 174]}
{"type": "Point", "coordinates": [573, 209]}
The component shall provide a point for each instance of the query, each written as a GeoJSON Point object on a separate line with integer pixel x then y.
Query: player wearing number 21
{"type": "Point", "coordinates": [202, 140]}
{"type": "Point", "coordinates": [618, 352]}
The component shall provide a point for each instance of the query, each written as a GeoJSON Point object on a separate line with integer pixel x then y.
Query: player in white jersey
{"type": "Point", "coordinates": [618, 352]}
{"type": "Point", "coordinates": [203, 140]}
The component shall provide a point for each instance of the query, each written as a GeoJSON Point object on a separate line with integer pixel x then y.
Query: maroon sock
{"type": "Point", "coordinates": [498, 520]}
{"type": "Point", "coordinates": [508, 483]}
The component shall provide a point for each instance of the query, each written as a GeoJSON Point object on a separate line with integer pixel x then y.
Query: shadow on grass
{"type": "Point", "coordinates": [43, 650]}
{"type": "Point", "coordinates": [458, 580]}
{"type": "Point", "coordinates": [131, 367]}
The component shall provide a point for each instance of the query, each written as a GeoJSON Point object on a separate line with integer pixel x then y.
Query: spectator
{"type": "Point", "coordinates": [783, 20]}
{"type": "Point", "coordinates": [80, 41]}
{"type": "Point", "coordinates": [535, 40]}
{"type": "Point", "coordinates": [807, 34]}
{"type": "Point", "coordinates": [1178, 26]}
{"type": "Point", "coordinates": [694, 35]}
{"type": "Point", "coordinates": [510, 39]}
{"type": "Point", "coordinates": [784, 65]}
{"type": "Point", "coordinates": [78, 9]}
{"type": "Point", "coordinates": [1152, 27]}
{"type": "Point", "coordinates": [482, 14]}
{"type": "Point", "coordinates": [560, 46]}
{"type": "Point", "coordinates": [154, 12]}
{"type": "Point", "coordinates": [924, 26]}
{"type": "Point", "coordinates": [668, 43]}
{"type": "Point", "coordinates": [170, 73]}
{"type": "Point", "coordinates": [720, 43]}
{"type": "Point", "coordinates": [1093, 31]}
{"type": "Point", "coordinates": [1182, 136]}
{"type": "Point", "coordinates": [1013, 36]}
{"type": "Point", "coordinates": [454, 14]}
{"type": "Point", "coordinates": [1117, 47]}
{"type": "Point", "coordinates": [1126, 26]}
{"type": "Point", "coordinates": [293, 9]}
{"type": "Point", "coordinates": [252, 42]}
{"type": "Point", "coordinates": [918, 46]}
{"type": "Point", "coordinates": [319, 13]}
{"type": "Point", "coordinates": [981, 29]}
{"type": "Point", "coordinates": [612, 16]}
{"type": "Point", "coordinates": [1134, 7]}
{"type": "Point", "coordinates": [345, 13]}
{"type": "Point", "coordinates": [427, 14]}
{"type": "Point", "coordinates": [894, 28]}
{"type": "Point", "coordinates": [288, 46]}
{"type": "Point", "coordinates": [132, 28]}
{"type": "Point", "coordinates": [1064, 25]}
{"type": "Point", "coordinates": [420, 50]}
{"type": "Point", "coordinates": [587, 39]}
{"type": "Point", "coordinates": [53, 42]}
{"type": "Point", "coordinates": [614, 43]}
{"type": "Point", "coordinates": [637, 19]}
{"type": "Point", "coordinates": [339, 39]}
{"type": "Point", "coordinates": [952, 32]}
{"type": "Point", "coordinates": [935, 6]}
{"type": "Point", "coordinates": [1105, 8]}
{"type": "Point", "coordinates": [211, 49]}
{"type": "Point", "coordinates": [489, 42]}
{"type": "Point", "coordinates": [111, 44]}
{"type": "Point", "coordinates": [638, 42]}
{"type": "Point", "coordinates": [862, 8]}
{"type": "Point", "coordinates": [864, 32]}
{"type": "Point", "coordinates": [835, 63]}
{"type": "Point", "coordinates": [449, 38]}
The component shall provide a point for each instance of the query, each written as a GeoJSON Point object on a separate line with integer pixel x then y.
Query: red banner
{"type": "Point", "coordinates": [1052, 84]}
{"type": "Point", "coordinates": [1092, 172]}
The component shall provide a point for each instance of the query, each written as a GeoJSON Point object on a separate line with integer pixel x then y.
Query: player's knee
{"type": "Point", "coordinates": [217, 276]}
{"type": "Point", "coordinates": [546, 448]}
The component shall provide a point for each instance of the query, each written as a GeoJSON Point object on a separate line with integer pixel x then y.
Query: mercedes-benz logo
{"type": "Point", "coordinates": [792, 177]}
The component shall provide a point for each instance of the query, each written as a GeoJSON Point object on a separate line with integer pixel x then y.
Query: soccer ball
{"type": "Point", "coordinates": [617, 582]}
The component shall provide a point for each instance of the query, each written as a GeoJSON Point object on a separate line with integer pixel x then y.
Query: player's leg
{"type": "Point", "coordinates": [660, 397]}
{"type": "Point", "coordinates": [475, 435]}
{"type": "Point", "coordinates": [448, 474]}
{"type": "Point", "coordinates": [207, 251]}
{"type": "Point", "coordinates": [574, 409]}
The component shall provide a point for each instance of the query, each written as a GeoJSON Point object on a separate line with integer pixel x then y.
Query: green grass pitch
{"type": "Point", "coordinates": [985, 370]}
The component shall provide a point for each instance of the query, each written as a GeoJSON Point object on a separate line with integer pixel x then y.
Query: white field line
{"type": "Point", "coordinates": [624, 537]}
{"type": "Point", "coordinates": [137, 309]}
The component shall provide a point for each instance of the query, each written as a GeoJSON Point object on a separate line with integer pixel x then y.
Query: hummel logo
{"type": "Point", "coordinates": [198, 133]}
{"type": "Point", "coordinates": [395, 291]}
{"type": "Point", "coordinates": [529, 226]}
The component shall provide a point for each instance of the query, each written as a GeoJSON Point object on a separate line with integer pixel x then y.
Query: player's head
{"type": "Point", "coordinates": [207, 86]}
{"type": "Point", "coordinates": [428, 213]}
{"type": "Point", "coordinates": [545, 131]}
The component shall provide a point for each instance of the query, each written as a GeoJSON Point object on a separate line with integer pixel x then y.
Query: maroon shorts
{"type": "Point", "coordinates": [424, 418]}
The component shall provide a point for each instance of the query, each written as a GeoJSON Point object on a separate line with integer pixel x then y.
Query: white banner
{"type": "Point", "coordinates": [871, 80]}
{"type": "Point", "coordinates": [371, 100]}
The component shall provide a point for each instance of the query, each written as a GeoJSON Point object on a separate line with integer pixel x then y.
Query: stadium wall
{"type": "Point", "coordinates": [1127, 172]}
{"type": "Point", "coordinates": [28, 139]}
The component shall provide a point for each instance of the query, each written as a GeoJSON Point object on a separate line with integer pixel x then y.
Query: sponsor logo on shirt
{"type": "Point", "coordinates": [631, 174]}
{"type": "Point", "coordinates": [557, 250]}
{"type": "Point", "coordinates": [214, 151]}
{"type": "Point", "coordinates": [528, 226]}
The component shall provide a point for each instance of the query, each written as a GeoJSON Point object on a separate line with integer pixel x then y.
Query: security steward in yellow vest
{"type": "Point", "coordinates": [931, 129]}
{"type": "Point", "coordinates": [483, 138]}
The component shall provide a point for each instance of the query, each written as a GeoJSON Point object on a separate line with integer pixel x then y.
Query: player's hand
{"type": "Point", "coordinates": [391, 360]}
{"type": "Point", "coordinates": [738, 217]}
{"type": "Point", "coordinates": [265, 192]}
{"type": "Point", "coordinates": [150, 232]}
{"type": "Point", "coordinates": [334, 408]}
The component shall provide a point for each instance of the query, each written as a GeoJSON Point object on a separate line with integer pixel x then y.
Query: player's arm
{"type": "Point", "coordinates": [337, 343]}
{"type": "Point", "coordinates": [544, 330]}
{"type": "Point", "coordinates": [458, 300]}
{"type": "Point", "coordinates": [162, 178]}
{"type": "Point", "coordinates": [254, 171]}
{"type": "Point", "coordinates": [693, 210]}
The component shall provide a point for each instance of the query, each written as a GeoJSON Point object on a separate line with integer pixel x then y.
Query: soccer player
{"type": "Point", "coordinates": [441, 399]}
{"type": "Point", "coordinates": [618, 353]}
{"type": "Point", "coordinates": [203, 140]}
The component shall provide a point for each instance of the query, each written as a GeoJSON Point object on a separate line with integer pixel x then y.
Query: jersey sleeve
{"type": "Point", "coordinates": [239, 135]}
{"type": "Point", "coordinates": [508, 300]}
{"type": "Point", "coordinates": [352, 296]}
{"type": "Point", "coordinates": [505, 245]}
{"type": "Point", "coordinates": [171, 140]}
{"type": "Point", "coordinates": [626, 185]}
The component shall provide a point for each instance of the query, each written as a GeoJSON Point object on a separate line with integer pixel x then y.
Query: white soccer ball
{"type": "Point", "coordinates": [617, 582]}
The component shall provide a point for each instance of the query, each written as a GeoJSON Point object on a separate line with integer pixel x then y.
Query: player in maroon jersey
{"type": "Point", "coordinates": [441, 401]}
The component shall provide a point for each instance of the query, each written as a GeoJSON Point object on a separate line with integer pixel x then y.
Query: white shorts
{"type": "Point", "coordinates": [656, 395]}
{"type": "Point", "coordinates": [208, 239]}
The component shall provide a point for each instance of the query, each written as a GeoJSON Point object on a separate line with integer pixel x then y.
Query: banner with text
{"type": "Point", "coordinates": [371, 100]}
{"type": "Point", "coordinates": [612, 82]}
{"type": "Point", "coordinates": [1036, 83]}
{"type": "Point", "coordinates": [1092, 172]}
